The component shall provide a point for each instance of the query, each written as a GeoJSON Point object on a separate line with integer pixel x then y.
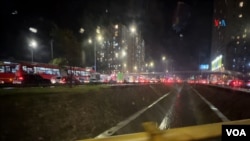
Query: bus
{"type": "Point", "coordinates": [45, 71]}
{"type": "Point", "coordinates": [14, 72]}
{"type": "Point", "coordinates": [80, 74]}
{"type": "Point", "coordinates": [7, 72]}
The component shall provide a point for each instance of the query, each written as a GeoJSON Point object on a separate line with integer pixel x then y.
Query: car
{"type": "Point", "coordinates": [71, 79]}
{"type": "Point", "coordinates": [58, 80]}
{"type": "Point", "coordinates": [237, 83]}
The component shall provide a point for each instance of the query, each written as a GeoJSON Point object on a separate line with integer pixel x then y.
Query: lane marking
{"type": "Point", "coordinates": [121, 124]}
{"type": "Point", "coordinates": [212, 107]}
{"type": "Point", "coordinates": [165, 124]}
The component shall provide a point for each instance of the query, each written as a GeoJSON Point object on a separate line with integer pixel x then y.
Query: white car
{"type": "Point", "coordinates": [57, 80]}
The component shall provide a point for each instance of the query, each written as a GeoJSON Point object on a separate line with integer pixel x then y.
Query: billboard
{"type": "Point", "coordinates": [204, 67]}
{"type": "Point", "coordinates": [217, 63]}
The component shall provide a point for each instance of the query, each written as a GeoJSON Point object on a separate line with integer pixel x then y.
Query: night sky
{"type": "Point", "coordinates": [187, 43]}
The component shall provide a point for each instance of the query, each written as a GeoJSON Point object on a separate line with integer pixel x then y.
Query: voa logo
{"type": "Point", "coordinates": [236, 132]}
{"type": "Point", "coordinates": [219, 23]}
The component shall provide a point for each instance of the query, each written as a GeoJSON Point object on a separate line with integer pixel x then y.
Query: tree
{"type": "Point", "coordinates": [68, 49]}
{"type": "Point", "coordinates": [61, 63]}
{"type": "Point", "coordinates": [67, 46]}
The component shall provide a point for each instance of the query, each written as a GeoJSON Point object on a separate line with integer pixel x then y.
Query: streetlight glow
{"type": "Point", "coordinates": [116, 26]}
{"type": "Point", "coordinates": [124, 53]}
{"type": "Point", "coordinates": [33, 45]}
{"type": "Point", "coordinates": [32, 29]}
{"type": "Point", "coordinates": [135, 67]}
{"type": "Point", "coordinates": [133, 29]}
{"type": "Point", "coordinates": [90, 41]}
{"type": "Point", "coordinates": [81, 30]}
{"type": "Point", "coordinates": [163, 58]}
{"type": "Point", "coordinates": [151, 64]}
{"type": "Point", "coordinates": [98, 38]}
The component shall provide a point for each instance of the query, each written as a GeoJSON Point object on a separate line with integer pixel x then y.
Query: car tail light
{"type": "Point", "coordinates": [20, 78]}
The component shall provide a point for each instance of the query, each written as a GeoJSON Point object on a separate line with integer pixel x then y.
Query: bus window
{"type": "Point", "coordinates": [1, 69]}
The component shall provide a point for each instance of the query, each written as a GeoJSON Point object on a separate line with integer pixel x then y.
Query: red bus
{"type": "Point", "coordinates": [7, 72]}
{"type": "Point", "coordinates": [46, 71]}
{"type": "Point", "coordinates": [14, 72]}
{"type": "Point", "coordinates": [79, 73]}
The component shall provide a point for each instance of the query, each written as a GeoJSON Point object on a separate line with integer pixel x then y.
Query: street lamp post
{"type": "Point", "coordinates": [152, 65]}
{"type": "Point", "coordinates": [51, 47]}
{"type": "Point", "coordinates": [98, 38]}
{"type": "Point", "coordinates": [33, 45]}
{"type": "Point", "coordinates": [132, 52]}
{"type": "Point", "coordinates": [95, 54]}
{"type": "Point", "coordinates": [163, 62]}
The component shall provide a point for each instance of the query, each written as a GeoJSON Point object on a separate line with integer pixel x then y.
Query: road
{"type": "Point", "coordinates": [180, 107]}
{"type": "Point", "coordinates": [117, 110]}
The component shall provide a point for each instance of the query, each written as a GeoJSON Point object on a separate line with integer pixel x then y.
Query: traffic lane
{"type": "Point", "coordinates": [190, 109]}
{"type": "Point", "coordinates": [234, 103]}
{"type": "Point", "coordinates": [181, 107]}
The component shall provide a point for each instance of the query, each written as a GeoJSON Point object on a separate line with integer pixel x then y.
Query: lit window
{"type": "Point", "coordinates": [241, 4]}
{"type": "Point", "coordinates": [240, 15]}
{"type": "Point", "coordinates": [238, 42]}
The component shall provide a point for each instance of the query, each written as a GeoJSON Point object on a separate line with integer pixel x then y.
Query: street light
{"type": "Point", "coordinates": [133, 29]}
{"type": "Point", "coordinates": [51, 47]}
{"type": "Point", "coordinates": [151, 64]}
{"type": "Point", "coordinates": [133, 46]}
{"type": "Point", "coordinates": [98, 38]}
{"type": "Point", "coordinates": [163, 61]}
{"type": "Point", "coordinates": [32, 29]}
{"type": "Point", "coordinates": [33, 45]}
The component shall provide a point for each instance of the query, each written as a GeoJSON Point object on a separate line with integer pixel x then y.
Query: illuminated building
{"type": "Point", "coordinates": [231, 35]}
{"type": "Point", "coordinates": [121, 50]}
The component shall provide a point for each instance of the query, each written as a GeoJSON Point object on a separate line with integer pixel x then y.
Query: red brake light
{"type": "Point", "coordinates": [20, 78]}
